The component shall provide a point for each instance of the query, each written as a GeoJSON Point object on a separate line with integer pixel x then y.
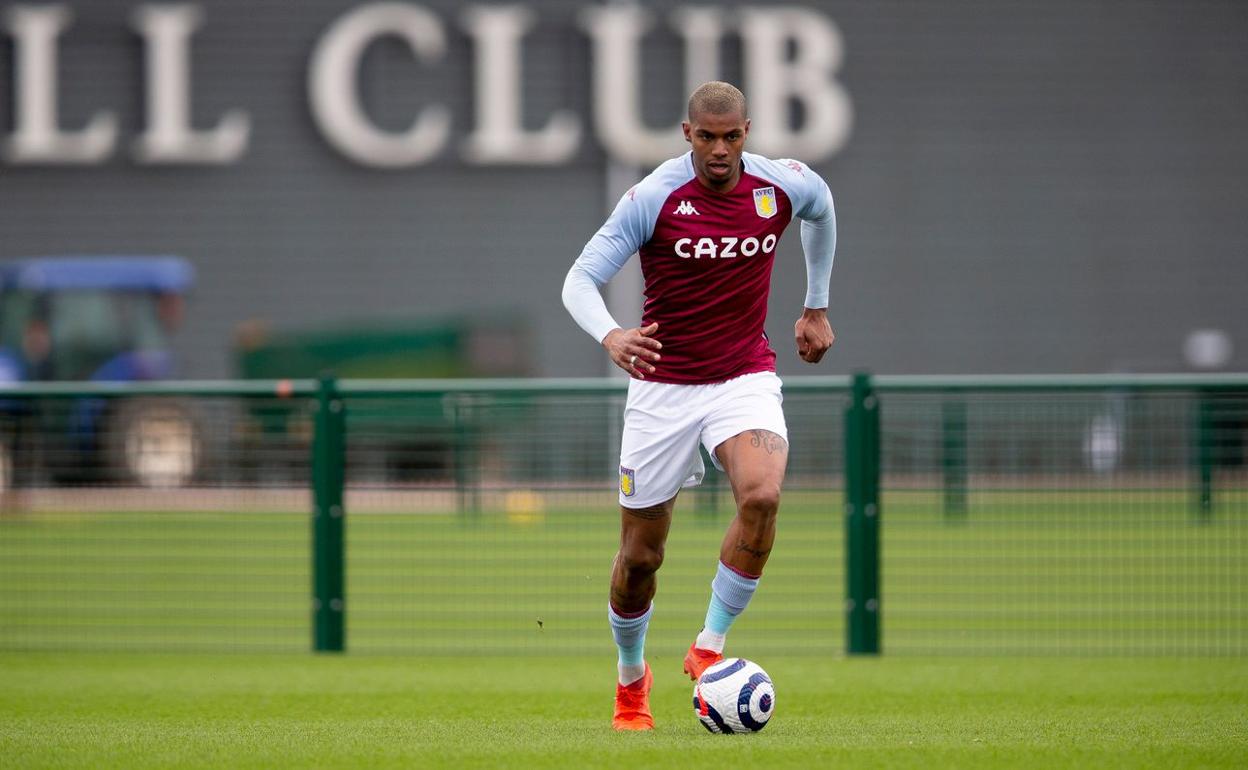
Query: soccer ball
{"type": "Point", "coordinates": [734, 696]}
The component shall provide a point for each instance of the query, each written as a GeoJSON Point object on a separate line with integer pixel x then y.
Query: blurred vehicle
{"type": "Point", "coordinates": [94, 319]}
{"type": "Point", "coordinates": [412, 438]}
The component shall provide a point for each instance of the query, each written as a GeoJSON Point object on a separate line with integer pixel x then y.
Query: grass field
{"type": "Point", "coordinates": [1024, 573]}
{"type": "Point", "coordinates": [1044, 629]}
{"type": "Point", "coordinates": [175, 711]}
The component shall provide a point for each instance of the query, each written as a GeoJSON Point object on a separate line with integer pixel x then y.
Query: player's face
{"type": "Point", "coordinates": [717, 141]}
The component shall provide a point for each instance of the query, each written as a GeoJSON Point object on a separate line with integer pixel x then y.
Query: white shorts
{"type": "Point", "coordinates": [664, 423]}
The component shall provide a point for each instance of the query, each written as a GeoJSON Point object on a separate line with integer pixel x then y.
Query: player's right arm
{"type": "Point", "coordinates": [633, 350]}
{"type": "Point", "coordinates": [629, 226]}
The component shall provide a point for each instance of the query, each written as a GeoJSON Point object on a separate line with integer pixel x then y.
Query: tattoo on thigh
{"type": "Point", "coordinates": [768, 441]}
{"type": "Point", "coordinates": [650, 513]}
{"type": "Point", "coordinates": [757, 553]}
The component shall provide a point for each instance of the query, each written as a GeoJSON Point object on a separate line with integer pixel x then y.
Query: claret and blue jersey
{"type": "Point", "coordinates": [706, 258]}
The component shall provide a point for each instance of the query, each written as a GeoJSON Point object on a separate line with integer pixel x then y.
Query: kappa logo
{"type": "Point", "coordinates": [765, 202]}
{"type": "Point", "coordinates": [687, 208]}
{"type": "Point", "coordinates": [628, 481]}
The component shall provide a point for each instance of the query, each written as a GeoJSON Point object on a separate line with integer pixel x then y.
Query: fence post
{"type": "Point", "coordinates": [1204, 452]}
{"type": "Point", "coordinates": [953, 456]}
{"type": "Point", "coordinates": [328, 518]}
{"type": "Point", "coordinates": [466, 458]}
{"type": "Point", "coordinates": [862, 519]}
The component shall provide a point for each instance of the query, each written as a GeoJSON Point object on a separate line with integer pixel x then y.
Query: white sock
{"type": "Point", "coordinates": [631, 673]}
{"type": "Point", "coordinates": [709, 640]}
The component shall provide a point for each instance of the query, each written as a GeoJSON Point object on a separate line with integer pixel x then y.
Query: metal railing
{"type": "Point", "coordinates": [1013, 515]}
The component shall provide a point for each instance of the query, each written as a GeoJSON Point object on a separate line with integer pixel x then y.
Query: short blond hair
{"type": "Point", "coordinates": [716, 98]}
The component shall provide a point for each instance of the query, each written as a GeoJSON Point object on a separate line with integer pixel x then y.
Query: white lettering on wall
{"type": "Point", "coordinates": [499, 136]}
{"type": "Point", "coordinates": [702, 30]}
{"type": "Point", "coordinates": [37, 137]}
{"type": "Point", "coordinates": [335, 98]}
{"type": "Point", "coordinates": [169, 139]}
{"type": "Point", "coordinates": [792, 54]}
{"type": "Point", "coordinates": [772, 79]}
{"type": "Point", "coordinates": [616, 33]}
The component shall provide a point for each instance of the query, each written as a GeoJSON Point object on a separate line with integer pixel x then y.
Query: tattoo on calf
{"type": "Point", "coordinates": [768, 441]}
{"type": "Point", "coordinates": [757, 553]}
{"type": "Point", "coordinates": [651, 512]}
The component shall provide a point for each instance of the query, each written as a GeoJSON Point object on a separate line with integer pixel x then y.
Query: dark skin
{"type": "Point", "coordinates": [755, 463]}
{"type": "Point", "coordinates": [755, 460]}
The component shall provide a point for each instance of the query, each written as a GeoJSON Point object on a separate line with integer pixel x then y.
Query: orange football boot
{"type": "Point", "coordinates": [698, 660]}
{"type": "Point", "coordinates": [632, 704]}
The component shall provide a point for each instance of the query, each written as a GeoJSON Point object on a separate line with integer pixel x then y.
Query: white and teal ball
{"type": "Point", "coordinates": [734, 696]}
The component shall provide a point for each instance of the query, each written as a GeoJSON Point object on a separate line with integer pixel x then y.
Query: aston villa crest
{"type": "Point", "coordinates": [628, 481]}
{"type": "Point", "coordinates": [765, 202]}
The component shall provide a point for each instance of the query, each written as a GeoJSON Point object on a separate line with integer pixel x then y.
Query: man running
{"type": "Point", "coordinates": [705, 226]}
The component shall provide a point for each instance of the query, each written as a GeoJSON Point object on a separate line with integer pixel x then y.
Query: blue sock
{"type": "Point", "coordinates": [730, 594]}
{"type": "Point", "coordinates": [630, 638]}
{"type": "Point", "coordinates": [718, 617]}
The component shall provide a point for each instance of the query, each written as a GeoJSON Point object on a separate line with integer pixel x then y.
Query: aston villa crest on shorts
{"type": "Point", "coordinates": [628, 481]}
{"type": "Point", "coordinates": [765, 202]}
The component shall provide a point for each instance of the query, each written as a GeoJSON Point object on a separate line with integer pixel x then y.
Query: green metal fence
{"type": "Point", "coordinates": [1089, 515]}
{"type": "Point", "coordinates": [501, 539]}
{"type": "Point", "coordinates": [1064, 515]}
{"type": "Point", "coordinates": [156, 517]}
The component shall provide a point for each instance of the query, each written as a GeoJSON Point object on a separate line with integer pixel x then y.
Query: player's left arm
{"type": "Point", "coordinates": [813, 332]}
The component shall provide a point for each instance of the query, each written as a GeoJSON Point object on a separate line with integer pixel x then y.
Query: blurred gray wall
{"type": "Point", "coordinates": [1029, 186]}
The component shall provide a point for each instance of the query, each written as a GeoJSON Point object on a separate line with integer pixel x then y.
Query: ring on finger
{"type": "Point", "coordinates": [632, 360]}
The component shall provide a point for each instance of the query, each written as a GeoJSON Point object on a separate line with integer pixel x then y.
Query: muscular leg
{"type": "Point", "coordinates": [755, 462]}
{"type": "Point", "coordinates": [643, 534]}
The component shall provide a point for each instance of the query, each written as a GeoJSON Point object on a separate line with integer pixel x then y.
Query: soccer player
{"type": "Point", "coordinates": [705, 226]}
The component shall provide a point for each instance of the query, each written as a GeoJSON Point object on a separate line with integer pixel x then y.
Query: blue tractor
{"type": "Point", "coordinates": [94, 319]}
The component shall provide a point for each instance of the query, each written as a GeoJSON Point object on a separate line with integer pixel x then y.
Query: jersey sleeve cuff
{"type": "Point", "coordinates": [816, 301]}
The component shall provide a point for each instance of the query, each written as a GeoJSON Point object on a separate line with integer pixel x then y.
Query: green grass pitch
{"type": "Point", "coordinates": [1044, 629]}
{"type": "Point", "coordinates": [123, 710]}
{"type": "Point", "coordinates": [1023, 573]}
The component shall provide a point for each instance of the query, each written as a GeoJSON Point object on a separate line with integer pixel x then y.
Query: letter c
{"type": "Point", "coordinates": [335, 99]}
